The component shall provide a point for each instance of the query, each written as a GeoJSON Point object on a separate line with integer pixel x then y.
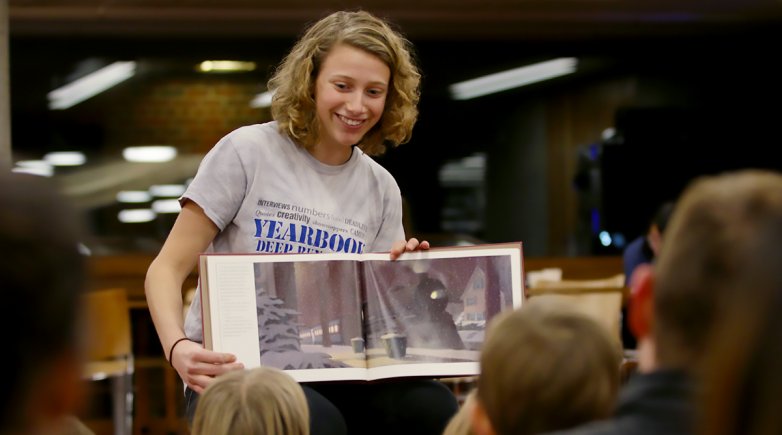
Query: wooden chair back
{"type": "Point", "coordinates": [108, 330]}
{"type": "Point", "coordinates": [600, 299]}
{"type": "Point", "coordinates": [612, 284]}
{"type": "Point", "coordinates": [109, 350]}
{"type": "Point", "coordinates": [604, 308]}
{"type": "Point", "coordinates": [609, 284]}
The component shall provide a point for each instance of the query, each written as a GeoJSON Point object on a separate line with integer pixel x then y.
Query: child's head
{"type": "Point", "coordinates": [460, 423]}
{"type": "Point", "coordinates": [544, 368]}
{"type": "Point", "coordinates": [261, 401]}
{"type": "Point", "coordinates": [293, 105]}
{"type": "Point", "coordinates": [716, 232]}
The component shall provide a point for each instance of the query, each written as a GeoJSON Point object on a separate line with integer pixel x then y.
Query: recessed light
{"type": "Point", "coordinates": [34, 167]}
{"type": "Point", "coordinates": [167, 190]}
{"type": "Point", "coordinates": [218, 66]}
{"type": "Point", "coordinates": [166, 206]}
{"type": "Point", "coordinates": [42, 172]}
{"type": "Point", "coordinates": [65, 158]}
{"type": "Point", "coordinates": [264, 99]}
{"type": "Point", "coordinates": [149, 153]}
{"type": "Point", "coordinates": [134, 216]}
{"type": "Point", "coordinates": [133, 196]}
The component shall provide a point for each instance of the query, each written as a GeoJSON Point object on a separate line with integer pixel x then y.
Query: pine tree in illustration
{"type": "Point", "coordinates": [279, 338]}
{"type": "Point", "coordinates": [276, 326]}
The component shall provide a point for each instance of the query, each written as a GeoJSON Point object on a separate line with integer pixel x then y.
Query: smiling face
{"type": "Point", "coordinates": [350, 94]}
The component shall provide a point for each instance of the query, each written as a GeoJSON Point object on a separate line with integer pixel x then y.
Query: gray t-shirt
{"type": "Point", "coordinates": [267, 194]}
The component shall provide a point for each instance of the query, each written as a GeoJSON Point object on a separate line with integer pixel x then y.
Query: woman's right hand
{"type": "Point", "coordinates": [198, 367]}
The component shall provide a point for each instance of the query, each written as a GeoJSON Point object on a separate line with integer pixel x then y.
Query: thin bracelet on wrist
{"type": "Point", "coordinates": [171, 352]}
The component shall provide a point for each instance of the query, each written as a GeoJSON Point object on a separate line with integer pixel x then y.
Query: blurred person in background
{"type": "Point", "coordinates": [709, 257]}
{"type": "Point", "coordinates": [643, 250]}
{"type": "Point", "coordinates": [43, 275]}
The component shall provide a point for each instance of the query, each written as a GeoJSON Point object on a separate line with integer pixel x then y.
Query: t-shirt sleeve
{"type": "Point", "coordinates": [220, 184]}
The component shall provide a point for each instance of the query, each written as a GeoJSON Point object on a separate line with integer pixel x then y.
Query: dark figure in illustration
{"type": "Point", "coordinates": [430, 325]}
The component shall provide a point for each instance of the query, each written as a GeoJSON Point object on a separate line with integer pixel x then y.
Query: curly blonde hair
{"type": "Point", "coordinates": [293, 104]}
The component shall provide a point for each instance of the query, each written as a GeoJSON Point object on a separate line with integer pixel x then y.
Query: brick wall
{"type": "Point", "coordinates": [191, 113]}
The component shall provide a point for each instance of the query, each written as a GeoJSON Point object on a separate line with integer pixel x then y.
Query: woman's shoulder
{"type": "Point", "coordinates": [378, 171]}
{"type": "Point", "coordinates": [249, 133]}
{"type": "Point", "coordinates": [257, 137]}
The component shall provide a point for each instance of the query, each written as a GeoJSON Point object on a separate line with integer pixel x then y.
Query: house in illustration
{"type": "Point", "coordinates": [474, 301]}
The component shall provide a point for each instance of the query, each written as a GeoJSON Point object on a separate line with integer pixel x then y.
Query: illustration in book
{"type": "Point", "coordinates": [329, 311]}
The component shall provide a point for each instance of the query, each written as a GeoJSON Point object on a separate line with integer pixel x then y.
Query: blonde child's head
{"type": "Point", "coordinates": [261, 401]}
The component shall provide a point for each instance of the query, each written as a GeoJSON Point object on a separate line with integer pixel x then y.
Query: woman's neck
{"type": "Point", "coordinates": [331, 156]}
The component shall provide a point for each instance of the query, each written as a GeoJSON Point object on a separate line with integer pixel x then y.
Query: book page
{"type": "Point", "coordinates": [232, 310]}
{"type": "Point", "coordinates": [427, 312]}
{"type": "Point", "coordinates": [307, 316]}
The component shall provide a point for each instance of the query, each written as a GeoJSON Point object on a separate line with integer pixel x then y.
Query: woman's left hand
{"type": "Point", "coordinates": [402, 246]}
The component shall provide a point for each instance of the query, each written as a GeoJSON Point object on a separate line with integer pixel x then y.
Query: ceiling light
{"type": "Point", "coordinates": [43, 172]}
{"type": "Point", "coordinates": [151, 153]}
{"type": "Point", "coordinates": [225, 66]}
{"type": "Point", "coordinates": [134, 216]}
{"type": "Point", "coordinates": [166, 206]}
{"type": "Point", "coordinates": [90, 85]}
{"type": "Point", "coordinates": [34, 167]}
{"type": "Point", "coordinates": [167, 190]}
{"type": "Point", "coordinates": [264, 99]}
{"type": "Point", "coordinates": [133, 196]}
{"type": "Point", "coordinates": [35, 164]}
{"type": "Point", "coordinates": [84, 249]}
{"type": "Point", "coordinates": [65, 158]}
{"type": "Point", "coordinates": [513, 78]}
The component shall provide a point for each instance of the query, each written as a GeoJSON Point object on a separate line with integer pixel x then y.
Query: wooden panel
{"type": "Point", "coordinates": [578, 267]}
{"type": "Point", "coordinates": [575, 118]}
{"type": "Point", "coordinates": [127, 271]}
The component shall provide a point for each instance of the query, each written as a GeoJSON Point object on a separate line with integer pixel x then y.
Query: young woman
{"type": "Point", "coordinates": [303, 183]}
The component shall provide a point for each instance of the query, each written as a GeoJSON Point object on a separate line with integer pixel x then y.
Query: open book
{"type": "Point", "coordinates": [326, 317]}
